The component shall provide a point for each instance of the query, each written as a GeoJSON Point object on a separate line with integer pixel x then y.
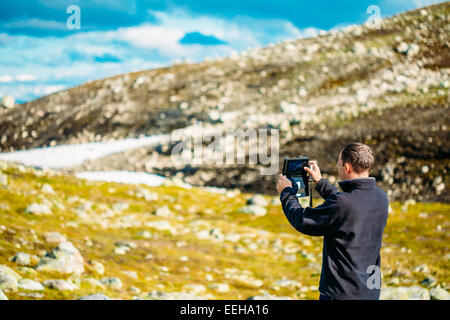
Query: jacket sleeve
{"type": "Point", "coordinates": [325, 188]}
{"type": "Point", "coordinates": [317, 221]}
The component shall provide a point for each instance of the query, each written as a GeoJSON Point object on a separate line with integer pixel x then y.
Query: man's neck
{"type": "Point", "coordinates": [362, 176]}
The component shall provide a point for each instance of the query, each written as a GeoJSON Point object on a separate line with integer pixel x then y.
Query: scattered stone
{"type": "Point", "coordinates": [28, 284]}
{"type": "Point", "coordinates": [254, 210]}
{"type": "Point", "coordinates": [46, 188]}
{"type": "Point", "coordinates": [268, 297]}
{"type": "Point", "coordinates": [258, 200]}
{"type": "Point", "coordinates": [359, 48]}
{"type": "Point", "coordinates": [97, 267]}
{"type": "Point", "coordinates": [3, 296]}
{"type": "Point", "coordinates": [112, 282]}
{"type": "Point", "coordinates": [38, 209]}
{"type": "Point", "coordinates": [8, 283]}
{"type": "Point", "coordinates": [64, 259]}
{"type": "Point", "coordinates": [144, 234]}
{"type": "Point", "coordinates": [158, 295]}
{"type": "Point", "coordinates": [430, 281]}
{"type": "Point", "coordinates": [22, 258]}
{"type": "Point", "coordinates": [162, 225]}
{"type": "Point", "coordinates": [422, 268]}
{"type": "Point", "coordinates": [7, 271]}
{"type": "Point", "coordinates": [96, 296]}
{"type": "Point", "coordinates": [287, 283]}
{"type": "Point", "coordinates": [163, 212]}
{"type": "Point", "coordinates": [220, 287]}
{"type": "Point", "coordinates": [194, 288]}
{"type": "Point", "coordinates": [135, 290]}
{"type": "Point", "coordinates": [147, 195]}
{"type": "Point", "coordinates": [8, 102]}
{"type": "Point", "coordinates": [3, 179]}
{"type": "Point", "coordinates": [404, 293]}
{"type": "Point", "coordinates": [120, 206]}
{"type": "Point", "coordinates": [61, 285]}
{"type": "Point", "coordinates": [94, 283]}
{"type": "Point", "coordinates": [131, 274]}
{"type": "Point", "coordinates": [437, 293]}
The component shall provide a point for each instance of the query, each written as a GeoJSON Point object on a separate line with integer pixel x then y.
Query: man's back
{"type": "Point", "coordinates": [352, 223]}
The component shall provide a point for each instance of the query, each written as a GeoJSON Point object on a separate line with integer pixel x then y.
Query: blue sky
{"type": "Point", "coordinates": [40, 55]}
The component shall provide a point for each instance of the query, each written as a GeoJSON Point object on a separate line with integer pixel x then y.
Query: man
{"type": "Point", "coordinates": [351, 222]}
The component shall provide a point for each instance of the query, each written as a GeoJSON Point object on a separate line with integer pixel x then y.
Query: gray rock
{"type": "Point", "coordinates": [7, 271]}
{"type": "Point", "coordinates": [46, 188]}
{"type": "Point", "coordinates": [144, 234]}
{"type": "Point", "coordinates": [163, 212]}
{"type": "Point", "coordinates": [429, 281]}
{"type": "Point", "coordinates": [194, 288]}
{"type": "Point", "coordinates": [63, 259]}
{"type": "Point", "coordinates": [8, 102]}
{"type": "Point", "coordinates": [287, 283]}
{"type": "Point", "coordinates": [38, 209]}
{"type": "Point", "coordinates": [54, 237]}
{"type": "Point", "coordinates": [31, 285]}
{"type": "Point", "coordinates": [8, 283]}
{"type": "Point", "coordinates": [258, 200]}
{"type": "Point", "coordinates": [437, 293]}
{"type": "Point", "coordinates": [93, 283]}
{"type": "Point", "coordinates": [220, 287]}
{"type": "Point", "coordinates": [22, 258]}
{"type": "Point", "coordinates": [404, 293]}
{"type": "Point", "coordinates": [97, 267]}
{"type": "Point", "coordinates": [254, 210]}
{"type": "Point", "coordinates": [422, 268]}
{"type": "Point", "coordinates": [158, 295]}
{"type": "Point", "coordinates": [268, 297]}
{"type": "Point", "coordinates": [96, 296]}
{"type": "Point", "coordinates": [3, 296]}
{"type": "Point", "coordinates": [147, 195]}
{"type": "Point", "coordinates": [112, 282]}
{"type": "Point", "coordinates": [61, 285]}
{"type": "Point", "coordinates": [3, 179]}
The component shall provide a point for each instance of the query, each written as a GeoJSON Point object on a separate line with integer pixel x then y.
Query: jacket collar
{"type": "Point", "coordinates": [357, 183]}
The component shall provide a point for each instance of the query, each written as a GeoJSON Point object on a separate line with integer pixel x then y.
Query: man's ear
{"type": "Point", "coordinates": [348, 168]}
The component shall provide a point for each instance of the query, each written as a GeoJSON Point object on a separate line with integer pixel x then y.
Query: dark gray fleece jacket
{"type": "Point", "coordinates": [352, 224]}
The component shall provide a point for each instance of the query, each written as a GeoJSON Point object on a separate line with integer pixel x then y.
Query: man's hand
{"type": "Point", "coordinates": [284, 182]}
{"type": "Point", "coordinates": [315, 172]}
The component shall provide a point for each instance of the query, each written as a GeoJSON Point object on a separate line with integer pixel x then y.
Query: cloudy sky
{"type": "Point", "coordinates": [39, 54]}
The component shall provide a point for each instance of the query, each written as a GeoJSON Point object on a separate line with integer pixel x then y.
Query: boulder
{"type": "Point", "coordinates": [8, 102]}
{"type": "Point", "coordinates": [31, 285]}
{"type": "Point", "coordinates": [61, 285]}
{"type": "Point", "coordinates": [3, 296]}
{"type": "Point", "coordinates": [38, 209]}
{"type": "Point", "coordinates": [254, 210]}
{"type": "Point", "coordinates": [112, 283]}
{"type": "Point", "coordinates": [95, 296]}
{"type": "Point", "coordinates": [64, 259]}
{"type": "Point", "coordinates": [437, 293]}
{"type": "Point", "coordinates": [404, 293]}
{"type": "Point", "coordinates": [258, 200]}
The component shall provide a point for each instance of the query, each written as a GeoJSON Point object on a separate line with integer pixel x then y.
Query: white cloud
{"type": "Point", "coordinates": [25, 77]}
{"type": "Point", "coordinates": [5, 78]}
{"type": "Point", "coordinates": [62, 62]}
{"type": "Point", "coordinates": [37, 23]}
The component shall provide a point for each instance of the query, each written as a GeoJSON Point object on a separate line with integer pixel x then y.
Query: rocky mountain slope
{"type": "Point", "coordinates": [386, 86]}
{"type": "Point", "coordinates": [65, 238]}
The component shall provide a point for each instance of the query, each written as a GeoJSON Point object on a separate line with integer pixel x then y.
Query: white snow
{"type": "Point", "coordinates": [65, 156]}
{"type": "Point", "coordinates": [131, 177]}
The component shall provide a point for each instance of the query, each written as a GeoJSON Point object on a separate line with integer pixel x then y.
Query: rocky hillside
{"type": "Point", "coordinates": [386, 86]}
{"type": "Point", "coordinates": [64, 238]}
